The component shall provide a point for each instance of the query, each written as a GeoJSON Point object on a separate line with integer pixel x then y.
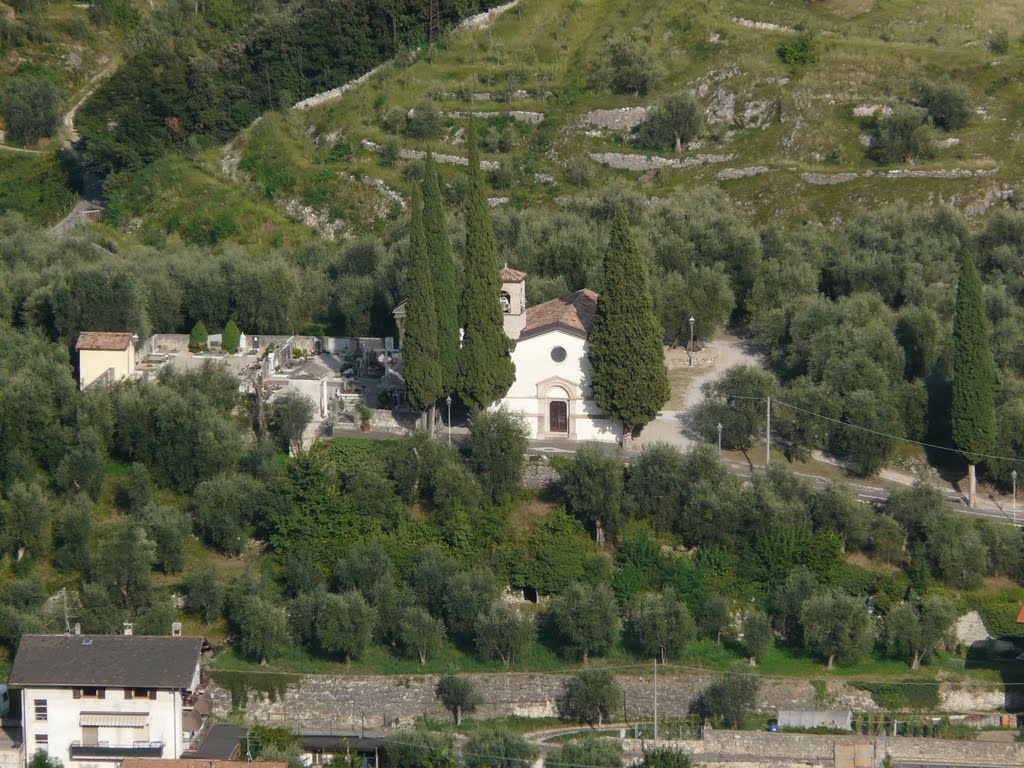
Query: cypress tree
{"type": "Point", "coordinates": [446, 296]}
{"type": "Point", "coordinates": [486, 370]}
{"type": "Point", "coordinates": [630, 381]}
{"type": "Point", "coordinates": [419, 350]}
{"type": "Point", "coordinates": [231, 338]}
{"type": "Point", "coordinates": [198, 338]}
{"type": "Point", "coordinates": [972, 411]}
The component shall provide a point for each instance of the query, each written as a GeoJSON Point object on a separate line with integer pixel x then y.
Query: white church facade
{"type": "Point", "coordinates": [552, 389]}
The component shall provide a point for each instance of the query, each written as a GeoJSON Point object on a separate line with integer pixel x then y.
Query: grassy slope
{"type": "Point", "coordinates": [66, 45]}
{"type": "Point", "coordinates": [868, 53]}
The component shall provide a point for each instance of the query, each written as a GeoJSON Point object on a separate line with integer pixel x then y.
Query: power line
{"type": "Point", "coordinates": [894, 437]}
{"type": "Point", "coordinates": [869, 430]}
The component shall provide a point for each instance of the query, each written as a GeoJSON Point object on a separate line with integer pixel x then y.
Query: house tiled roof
{"type": "Point", "coordinates": [1020, 616]}
{"type": "Point", "coordinates": [512, 275]}
{"type": "Point", "coordinates": [573, 314]}
{"type": "Point", "coordinates": [103, 340]}
{"type": "Point", "coordinates": [193, 762]}
{"type": "Point", "coordinates": [115, 661]}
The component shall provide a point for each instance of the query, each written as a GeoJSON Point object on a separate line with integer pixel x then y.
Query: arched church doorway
{"type": "Point", "coordinates": [558, 417]}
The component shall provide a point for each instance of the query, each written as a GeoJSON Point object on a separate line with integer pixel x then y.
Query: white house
{"type": "Point", "coordinates": [552, 386]}
{"type": "Point", "coordinates": [91, 700]}
{"type": "Point", "coordinates": [105, 356]}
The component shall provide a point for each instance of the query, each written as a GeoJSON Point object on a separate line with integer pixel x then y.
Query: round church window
{"type": "Point", "coordinates": [558, 354]}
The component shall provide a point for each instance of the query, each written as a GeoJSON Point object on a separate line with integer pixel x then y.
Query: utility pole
{"type": "Point", "coordinates": [689, 349]}
{"type": "Point", "coordinates": [655, 701]}
{"type": "Point", "coordinates": [1014, 476]}
{"type": "Point", "coordinates": [768, 435]}
{"type": "Point", "coordinates": [433, 22]}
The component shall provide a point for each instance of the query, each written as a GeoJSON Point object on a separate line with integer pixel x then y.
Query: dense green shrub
{"type": "Point", "coordinates": [423, 121]}
{"type": "Point", "coordinates": [31, 107]}
{"type": "Point", "coordinates": [948, 103]}
{"type": "Point", "coordinates": [900, 696]}
{"type": "Point", "coordinates": [799, 52]}
{"type": "Point", "coordinates": [903, 134]}
{"type": "Point", "coordinates": [627, 66]}
{"type": "Point", "coordinates": [37, 187]}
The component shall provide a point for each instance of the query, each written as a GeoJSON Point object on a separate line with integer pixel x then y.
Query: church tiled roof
{"type": "Point", "coordinates": [573, 314]}
{"type": "Point", "coordinates": [512, 275]}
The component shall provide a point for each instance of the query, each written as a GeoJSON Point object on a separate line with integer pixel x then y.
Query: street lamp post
{"type": "Point", "coordinates": [719, 439]}
{"type": "Point", "coordinates": [690, 348]}
{"type": "Point", "coordinates": [448, 400]}
{"type": "Point", "coordinates": [1014, 476]}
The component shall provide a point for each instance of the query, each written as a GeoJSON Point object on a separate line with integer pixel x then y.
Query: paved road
{"type": "Point", "coordinates": [988, 510]}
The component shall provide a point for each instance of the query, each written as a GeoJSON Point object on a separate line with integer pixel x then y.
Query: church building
{"type": "Point", "coordinates": [552, 386]}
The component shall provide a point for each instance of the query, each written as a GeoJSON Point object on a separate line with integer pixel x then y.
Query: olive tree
{"type": "Point", "coordinates": [500, 633]}
{"type": "Point", "coordinates": [661, 625]}
{"type": "Point", "coordinates": [31, 107]}
{"type": "Point", "coordinates": [585, 619]}
{"type": "Point", "coordinates": [627, 66]}
{"type": "Point", "coordinates": [459, 695]}
{"type": "Point", "coordinates": [731, 696]}
{"type": "Point", "coordinates": [674, 121]}
{"type": "Point", "coordinates": [592, 696]}
{"type": "Point", "coordinates": [836, 626]}
{"type": "Point", "coordinates": [289, 417]}
{"type": "Point", "coordinates": [915, 631]}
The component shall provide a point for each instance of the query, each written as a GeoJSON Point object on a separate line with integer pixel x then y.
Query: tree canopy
{"type": "Point", "coordinates": [630, 381]}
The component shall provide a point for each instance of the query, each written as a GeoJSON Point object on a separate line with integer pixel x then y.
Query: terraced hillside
{"type": "Point", "coordinates": [788, 141]}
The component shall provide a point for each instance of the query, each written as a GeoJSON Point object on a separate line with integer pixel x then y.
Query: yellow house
{"type": "Point", "coordinates": [105, 356]}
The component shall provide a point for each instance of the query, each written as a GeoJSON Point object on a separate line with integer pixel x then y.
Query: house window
{"type": "Point", "coordinates": [558, 354]}
{"type": "Point", "coordinates": [139, 693]}
{"type": "Point", "coordinates": [94, 693]}
{"type": "Point", "coordinates": [506, 303]}
{"type": "Point", "coordinates": [42, 742]}
{"type": "Point", "coordinates": [40, 708]}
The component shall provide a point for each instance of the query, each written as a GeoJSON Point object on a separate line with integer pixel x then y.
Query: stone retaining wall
{"type": "Point", "coordinates": [822, 749]}
{"type": "Point", "coordinates": [322, 701]}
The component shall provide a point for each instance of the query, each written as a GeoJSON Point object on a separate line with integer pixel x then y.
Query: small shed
{"type": "Point", "coordinates": [105, 356]}
{"type": "Point", "coordinates": [839, 719]}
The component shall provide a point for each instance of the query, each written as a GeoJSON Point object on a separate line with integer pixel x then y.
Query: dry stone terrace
{"type": "Point", "coordinates": [323, 701]}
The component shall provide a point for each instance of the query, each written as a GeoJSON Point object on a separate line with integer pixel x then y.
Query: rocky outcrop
{"type": "Point", "coordinates": [416, 154]}
{"type": "Point", "coordinates": [632, 162]}
{"type": "Point", "coordinates": [624, 119]}
{"type": "Point", "coordinates": [727, 174]}
{"type": "Point", "coordinates": [820, 179]}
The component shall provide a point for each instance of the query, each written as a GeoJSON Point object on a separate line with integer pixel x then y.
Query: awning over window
{"type": "Point", "coordinates": [113, 719]}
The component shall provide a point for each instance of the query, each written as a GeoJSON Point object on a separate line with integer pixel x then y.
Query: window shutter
{"type": "Point", "coordinates": [129, 694]}
{"type": "Point", "coordinates": [76, 693]}
{"type": "Point", "coordinates": [101, 693]}
{"type": "Point", "coordinates": [152, 694]}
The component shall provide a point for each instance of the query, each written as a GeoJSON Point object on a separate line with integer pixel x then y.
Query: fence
{"type": "Point", "coordinates": [68, 223]}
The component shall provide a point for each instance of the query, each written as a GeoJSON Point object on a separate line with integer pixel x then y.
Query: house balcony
{"type": "Point", "coordinates": [104, 749]}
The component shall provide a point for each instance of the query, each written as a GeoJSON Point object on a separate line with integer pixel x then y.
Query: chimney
{"type": "Point", "coordinates": [176, 629]}
{"type": "Point", "coordinates": [126, 629]}
{"type": "Point", "coordinates": [78, 628]}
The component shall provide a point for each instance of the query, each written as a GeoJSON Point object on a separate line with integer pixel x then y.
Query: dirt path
{"type": "Point", "coordinates": [711, 363]}
{"type": "Point", "coordinates": [22, 150]}
{"type": "Point", "coordinates": [675, 425]}
{"type": "Point", "coordinates": [68, 120]}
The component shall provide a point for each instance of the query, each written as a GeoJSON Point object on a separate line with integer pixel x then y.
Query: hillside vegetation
{"type": "Point", "coordinates": [768, 123]}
